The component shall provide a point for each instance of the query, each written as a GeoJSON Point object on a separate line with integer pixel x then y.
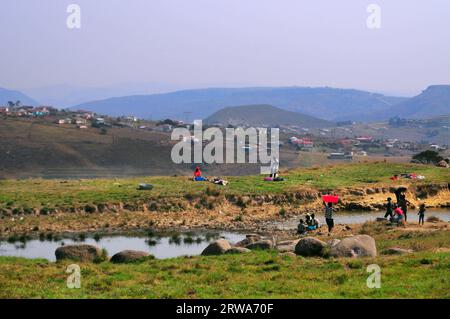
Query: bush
{"type": "Point", "coordinates": [427, 157]}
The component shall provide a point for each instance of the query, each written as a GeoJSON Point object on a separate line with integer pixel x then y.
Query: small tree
{"type": "Point", "coordinates": [427, 157]}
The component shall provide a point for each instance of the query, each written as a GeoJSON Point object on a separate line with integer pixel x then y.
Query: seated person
{"type": "Point", "coordinates": [315, 221]}
{"type": "Point", "coordinates": [198, 175]}
{"type": "Point", "coordinates": [301, 228]}
{"type": "Point", "coordinates": [310, 224]}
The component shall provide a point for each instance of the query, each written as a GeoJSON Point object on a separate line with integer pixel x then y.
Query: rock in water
{"type": "Point", "coordinates": [355, 246]}
{"type": "Point", "coordinates": [237, 250]}
{"type": "Point", "coordinates": [260, 245]}
{"type": "Point", "coordinates": [310, 246]}
{"type": "Point", "coordinates": [83, 253]}
{"type": "Point", "coordinates": [127, 256]}
{"type": "Point", "coordinates": [218, 247]}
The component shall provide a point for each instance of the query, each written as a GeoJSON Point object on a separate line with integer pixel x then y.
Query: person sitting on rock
{"type": "Point", "coordinates": [301, 228]}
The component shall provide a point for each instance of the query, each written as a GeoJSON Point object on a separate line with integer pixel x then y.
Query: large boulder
{"type": "Point", "coordinates": [127, 256]}
{"type": "Point", "coordinates": [310, 246]}
{"type": "Point", "coordinates": [249, 239]}
{"type": "Point", "coordinates": [237, 250]}
{"type": "Point", "coordinates": [355, 246]}
{"type": "Point", "coordinates": [218, 247]}
{"type": "Point", "coordinates": [260, 245]}
{"type": "Point", "coordinates": [286, 246]}
{"type": "Point", "coordinates": [83, 253]}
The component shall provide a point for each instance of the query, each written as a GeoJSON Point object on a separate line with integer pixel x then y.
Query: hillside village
{"type": "Point", "coordinates": [299, 146]}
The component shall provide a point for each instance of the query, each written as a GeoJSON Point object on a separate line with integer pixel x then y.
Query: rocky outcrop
{"type": "Point", "coordinates": [310, 246]}
{"type": "Point", "coordinates": [83, 253]}
{"type": "Point", "coordinates": [218, 247]}
{"type": "Point", "coordinates": [355, 246]}
{"type": "Point", "coordinates": [127, 256]}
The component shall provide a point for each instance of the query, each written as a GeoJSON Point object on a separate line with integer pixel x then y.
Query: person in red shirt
{"type": "Point", "coordinates": [197, 172]}
{"type": "Point", "coordinates": [400, 215]}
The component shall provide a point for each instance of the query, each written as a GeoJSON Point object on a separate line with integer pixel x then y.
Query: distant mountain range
{"type": "Point", "coordinates": [264, 116]}
{"type": "Point", "coordinates": [326, 103]}
{"type": "Point", "coordinates": [65, 95]}
{"type": "Point", "coordinates": [14, 96]}
{"type": "Point", "coordinates": [432, 102]}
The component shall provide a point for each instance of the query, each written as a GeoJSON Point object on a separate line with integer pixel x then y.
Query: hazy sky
{"type": "Point", "coordinates": [226, 42]}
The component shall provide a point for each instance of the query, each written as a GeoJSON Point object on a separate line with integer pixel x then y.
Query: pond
{"type": "Point", "coordinates": [359, 217]}
{"type": "Point", "coordinates": [160, 246]}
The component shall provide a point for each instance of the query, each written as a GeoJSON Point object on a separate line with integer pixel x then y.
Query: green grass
{"type": "Point", "coordinates": [38, 193]}
{"type": "Point", "coordinates": [255, 275]}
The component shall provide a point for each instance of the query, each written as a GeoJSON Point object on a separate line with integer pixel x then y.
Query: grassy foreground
{"type": "Point", "coordinates": [256, 275]}
{"type": "Point", "coordinates": [37, 193]}
{"type": "Point", "coordinates": [422, 274]}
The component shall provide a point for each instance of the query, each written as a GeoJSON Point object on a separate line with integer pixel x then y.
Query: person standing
{"type": "Point", "coordinates": [421, 213]}
{"type": "Point", "coordinates": [389, 208]}
{"type": "Point", "coordinates": [403, 203]}
{"type": "Point", "coordinates": [329, 216]}
{"type": "Point", "coordinates": [274, 167]}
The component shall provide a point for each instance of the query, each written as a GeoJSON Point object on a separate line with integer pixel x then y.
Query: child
{"type": "Point", "coordinates": [421, 213]}
{"type": "Point", "coordinates": [315, 221]}
{"type": "Point", "coordinates": [301, 228]}
{"type": "Point", "coordinates": [389, 208]}
{"type": "Point", "coordinates": [400, 216]}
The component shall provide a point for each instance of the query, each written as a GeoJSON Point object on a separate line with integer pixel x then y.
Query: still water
{"type": "Point", "coordinates": [179, 244]}
{"type": "Point", "coordinates": [159, 246]}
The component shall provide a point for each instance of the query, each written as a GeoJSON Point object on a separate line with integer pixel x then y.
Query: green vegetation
{"type": "Point", "coordinates": [255, 275]}
{"type": "Point", "coordinates": [427, 157]}
{"type": "Point", "coordinates": [50, 194]}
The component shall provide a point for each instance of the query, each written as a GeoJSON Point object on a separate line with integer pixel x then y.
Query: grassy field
{"type": "Point", "coordinates": [256, 275]}
{"type": "Point", "coordinates": [36, 193]}
{"type": "Point", "coordinates": [259, 274]}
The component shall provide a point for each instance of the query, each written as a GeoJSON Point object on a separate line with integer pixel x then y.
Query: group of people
{"type": "Point", "coordinates": [199, 178]}
{"type": "Point", "coordinates": [398, 213]}
{"type": "Point", "coordinates": [310, 223]}
{"type": "Point", "coordinates": [313, 223]}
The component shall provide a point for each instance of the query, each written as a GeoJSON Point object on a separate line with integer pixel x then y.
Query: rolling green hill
{"type": "Point", "coordinates": [264, 115]}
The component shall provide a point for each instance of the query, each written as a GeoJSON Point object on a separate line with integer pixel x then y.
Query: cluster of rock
{"type": "Point", "coordinates": [354, 246]}
{"type": "Point", "coordinates": [91, 253]}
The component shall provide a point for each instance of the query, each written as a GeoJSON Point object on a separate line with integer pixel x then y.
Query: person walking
{"type": "Point", "coordinates": [329, 216]}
